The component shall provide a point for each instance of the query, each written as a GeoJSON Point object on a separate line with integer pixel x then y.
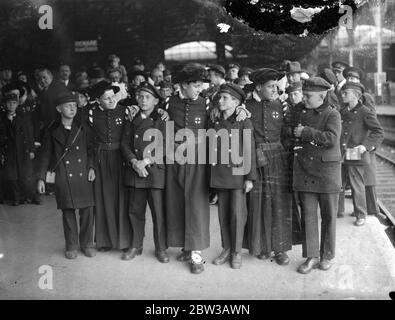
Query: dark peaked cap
{"type": "Point", "coordinates": [316, 84]}
{"type": "Point", "coordinates": [234, 90]}
{"type": "Point", "coordinates": [217, 68]}
{"type": "Point", "coordinates": [339, 65]}
{"type": "Point", "coordinates": [65, 98]}
{"type": "Point", "coordinates": [264, 75]}
{"type": "Point", "coordinates": [354, 72]}
{"type": "Point", "coordinates": [147, 87]}
{"type": "Point", "coordinates": [294, 86]}
{"type": "Point", "coordinates": [353, 85]}
{"type": "Point", "coordinates": [329, 76]}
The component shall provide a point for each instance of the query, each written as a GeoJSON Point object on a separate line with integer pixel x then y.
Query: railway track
{"type": "Point", "coordinates": [386, 182]}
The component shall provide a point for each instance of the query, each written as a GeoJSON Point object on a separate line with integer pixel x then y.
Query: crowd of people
{"type": "Point", "coordinates": [84, 138]}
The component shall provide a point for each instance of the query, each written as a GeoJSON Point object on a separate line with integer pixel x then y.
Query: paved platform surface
{"type": "Point", "coordinates": [32, 236]}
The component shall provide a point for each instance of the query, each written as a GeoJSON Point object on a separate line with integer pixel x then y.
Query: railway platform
{"type": "Point", "coordinates": [32, 237]}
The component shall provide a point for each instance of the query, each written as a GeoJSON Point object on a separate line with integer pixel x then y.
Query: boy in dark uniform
{"type": "Point", "coordinates": [361, 135]}
{"type": "Point", "coordinates": [317, 173]}
{"type": "Point", "coordinates": [232, 188]}
{"type": "Point", "coordinates": [269, 224]}
{"type": "Point", "coordinates": [107, 119]}
{"type": "Point", "coordinates": [67, 152]}
{"type": "Point", "coordinates": [145, 178]}
{"type": "Point", "coordinates": [19, 151]}
{"type": "Point", "coordinates": [187, 203]}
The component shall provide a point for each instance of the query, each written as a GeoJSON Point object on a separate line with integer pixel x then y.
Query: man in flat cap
{"type": "Point", "coordinates": [145, 175]}
{"type": "Point", "coordinates": [187, 206]}
{"type": "Point", "coordinates": [231, 188]}
{"type": "Point", "coordinates": [355, 74]}
{"type": "Point", "coordinates": [361, 135]}
{"type": "Point", "coordinates": [107, 120]}
{"type": "Point", "coordinates": [269, 224]}
{"type": "Point", "coordinates": [317, 174]}
{"type": "Point", "coordinates": [67, 151]}
{"type": "Point", "coordinates": [337, 68]}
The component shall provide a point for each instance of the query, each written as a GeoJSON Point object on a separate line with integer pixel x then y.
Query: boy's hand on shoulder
{"type": "Point", "coordinates": [242, 113]}
{"type": "Point", "coordinates": [31, 155]}
{"type": "Point", "coordinates": [248, 186]}
{"type": "Point", "coordinates": [139, 167]}
{"type": "Point", "coordinates": [164, 114]}
{"type": "Point", "coordinates": [91, 175]}
{"type": "Point", "coordinates": [214, 114]}
{"type": "Point", "coordinates": [41, 186]}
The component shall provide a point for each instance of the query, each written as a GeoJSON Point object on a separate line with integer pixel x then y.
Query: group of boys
{"type": "Point", "coordinates": [303, 133]}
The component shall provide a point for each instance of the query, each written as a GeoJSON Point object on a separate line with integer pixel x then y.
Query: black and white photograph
{"type": "Point", "coordinates": [219, 152]}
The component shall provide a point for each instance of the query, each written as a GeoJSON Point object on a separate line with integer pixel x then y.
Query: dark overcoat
{"type": "Point", "coordinates": [18, 143]}
{"type": "Point", "coordinates": [133, 146]}
{"type": "Point", "coordinates": [222, 176]}
{"type": "Point", "coordinates": [360, 127]}
{"type": "Point", "coordinates": [317, 161]}
{"type": "Point", "coordinates": [72, 188]}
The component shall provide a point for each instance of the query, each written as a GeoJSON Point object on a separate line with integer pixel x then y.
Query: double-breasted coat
{"type": "Point", "coordinates": [72, 188]}
{"type": "Point", "coordinates": [19, 142]}
{"type": "Point", "coordinates": [187, 185]}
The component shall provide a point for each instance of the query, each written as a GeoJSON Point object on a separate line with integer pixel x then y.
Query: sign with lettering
{"type": "Point", "coordinates": [86, 46]}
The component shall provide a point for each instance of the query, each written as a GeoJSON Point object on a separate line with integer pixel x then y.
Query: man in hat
{"type": "Point", "coordinates": [232, 188]}
{"type": "Point", "coordinates": [361, 134]}
{"type": "Point", "coordinates": [107, 119]}
{"type": "Point", "coordinates": [337, 68]}
{"type": "Point", "coordinates": [269, 225]}
{"type": "Point", "coordinates": [157, 77]}
{"type": "Point", "coordinates": [166, 89]}
{"type": "Point", "coordinates": [19, 151]}
{"type": "Point", "coordinates": [67, 152]}
{"type": "Point", "coordinates": [187, 206]}
{"type": "Point", "coordinates": [167, 76]}
{"type": "Point", "coordinates": [294, 72]}
{"type": "Point", "coordinates": [145, 174]}
{"type": "Point", "coordinates": [317, 174]}
{"type": "Point", "coordinates": [96, 75]}
{"type": "Point", "coordinates": [232, 72]}
{"type": "Point", "coordinates": [355, 74]}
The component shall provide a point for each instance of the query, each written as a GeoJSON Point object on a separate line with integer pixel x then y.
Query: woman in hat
{"type": "Point", "coordinates": [107, 118]}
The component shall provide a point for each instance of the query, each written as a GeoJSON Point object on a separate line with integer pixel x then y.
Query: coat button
{"type": "Point", "coordinates": [79, 160]}
{"type": "Point", "coordinates": [67, 162]}
{"type": "Point", "coordinates": [70, 175]}
{"type": "Point", "coordinates": [136, 135]}
{"type": "Point", "coordinates": [80, 174]}
{"type": "Point", "coordinates": [77, 147]}
{"type": "Point", "coordinates": [311, 158]}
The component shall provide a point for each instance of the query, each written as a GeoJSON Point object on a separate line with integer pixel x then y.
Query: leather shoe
{"type": "Point", "coordinates": [264, 256]}
{"type": "Point", "coordinates": [197, 268]}
{"type": "Point", "coordinates": [71, 254]}
{"type": "Point", "coordinates": [37, 201]}
{"type": "Point", "coordinates": [359, 222]}
{"type": "Point", "coordinates": [104, 249]}
{"type": "Point", "coordinates": [162, 256]}
{"type": "Point", "coordinates": [222, 258]}
{"type": "Point", "coordinates": [236, 260]}
{"type": "Point", "coordinates": [184, 256]}
{"type": "Point", "coordinates": [325, 264]}
{"type": "Point", "coordinates": [340, 214]}
{"type": "Point", "coordinates": [281, 258]}
{"type": "Point", "coordinates": [131, 253]}
{"type": "Point", "coordinates": [308, 265]}
{"type": "Point", "coordinates": [352, 214]}
{"type": "Point", "coordinates": [89, 252]}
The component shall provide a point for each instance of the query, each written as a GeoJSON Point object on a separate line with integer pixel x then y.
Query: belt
{"type": "Point", "coordinates": [270, 146]}
{"type": "Point", "coordinates": [109, 146]}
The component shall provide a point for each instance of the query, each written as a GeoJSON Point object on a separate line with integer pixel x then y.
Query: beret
{"type": "Point", "coordinates": [10, 97]}
{"type": "Point", "coordinates": [329, 76]}
{"type": "Point", "coordinates": [294, 86]}
{"type": "Point", "coordinates": [147, 87]}
{"type": "Point", "coordinates": [66, 97]}
{"type": "Point", "coordinates": [245, 71]}
{"type": "Point", "coordinates": [217, 68]}
{"type": "Point", "coordinates": [99, 88]}
{"type": "Point", "coordinates": [316, 84]}
{"type": "Point", "coordinates": [353, 85]}
{"type": "Point", "coordinates": [339, 65]}
{"type": "Point", "coordinates": [96, 72]}
{"type": "Point", "coordinates": [293, 67]}
{"type": "Point", "coordinates": [16, 85]}
{"type": "Point", "coordinates": [192, 72]}
{"type": "Point", "coordinates": [112, 57]}
{"type": "Point", "coordinates": [353, 72]}
{"type": "Point", "coordinates": [264, 75]}
{"type": "Point", "coordinates": [234, 90]}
